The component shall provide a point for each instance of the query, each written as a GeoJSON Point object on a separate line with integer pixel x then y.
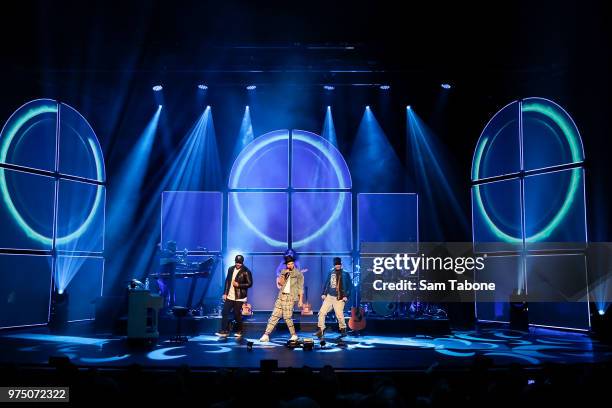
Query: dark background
{"type": "Point", "coordinates": [103, 57]}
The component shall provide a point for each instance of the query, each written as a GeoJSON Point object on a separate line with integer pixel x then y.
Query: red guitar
{"type": "Point", "coordinates": [357, 322]}
{"type": "Point", "coordinates": [306, 307]}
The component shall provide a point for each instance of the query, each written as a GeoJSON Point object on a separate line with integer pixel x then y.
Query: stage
{"type": "Point", "coordinates": [389, 352]}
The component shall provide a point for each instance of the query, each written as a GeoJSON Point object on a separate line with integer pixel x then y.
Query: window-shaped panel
{"type": "Point", "coordinates": [26, 210]}
{"type": "Point", "coordinates": [322, 221]}
{"type": "Point", "coordinates": [79, 151]}
{"type": "Point", "coordinates": [498, 149]}
{"type": "Point", "coordinates": [507, 274]}
{"type": "Point", "coordinates": [317, 163]}
{"type": "Point", "coordinates": [193, 219]}
{"type": "Point", "coordinates": [550, 137]}
{"type": "Point", "coordinates": [80, 217]}
{"type": "Point", "coordinates": [81, 277]}
{"type": "Point", "coordinates": [555, 210]}
{"type": "Point", "coordinates": [388, 223]}
{"type": "Point", "coordinates": [29, 136]}
{"type": "Point", "coordinates": [257, 222]}
{"type": "Point", "coordinates": [496, 212]}
{"type": "Point", "coordinates": [264, 163]}
{"type": "Point", "coordinates": [24, 289]}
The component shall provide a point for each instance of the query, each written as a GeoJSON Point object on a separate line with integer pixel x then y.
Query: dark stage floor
{"type": "Point", "coordinates": [367, 352]}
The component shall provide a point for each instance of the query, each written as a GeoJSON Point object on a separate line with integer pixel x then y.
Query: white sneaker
{"type": "Point", "coordinates": [293, 338]}
{"type": "Point", "coordinates": [265, 338]}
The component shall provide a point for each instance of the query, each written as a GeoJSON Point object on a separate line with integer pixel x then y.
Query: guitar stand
{"type": "Point", "coordinates": [354, 333]}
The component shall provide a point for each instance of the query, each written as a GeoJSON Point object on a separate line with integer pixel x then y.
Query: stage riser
{"type": "Point", "coordinates": [256, 325]}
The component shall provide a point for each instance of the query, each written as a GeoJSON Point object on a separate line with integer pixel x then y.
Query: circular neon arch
{"type": "Point", "coordinates": [22, 116]}
{"type": "Point", "coordinates": [322, 146]}
{"type": "Point", "coordinates": [570, 137]}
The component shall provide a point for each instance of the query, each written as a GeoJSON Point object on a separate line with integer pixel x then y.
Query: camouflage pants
{"type": "Point", "coordinates": [283, 307]}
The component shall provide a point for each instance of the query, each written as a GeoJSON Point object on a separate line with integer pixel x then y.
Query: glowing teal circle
{"type": "Point", "coordinates": [562, 119]}
{"type": "Point", "coordinates": [6, 138]}
{"type": "Point", "coordinates": [321, 147]}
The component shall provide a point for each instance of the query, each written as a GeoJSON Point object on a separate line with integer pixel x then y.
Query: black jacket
{"type": "Point", "coordinates": [244, 279]}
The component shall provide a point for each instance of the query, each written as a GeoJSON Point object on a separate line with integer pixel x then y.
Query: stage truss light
{"type": "Point", "coordinates": [157, 88]}
{"type": "Point", "coordinates": [445, 85]}
{"type": "Point", "coordinates": [329, 87]}
{"type": "Point", "coordinates": [251, 87]}
{"type": "Point", "coordinates": [202, 87]}
{"type": "Point", "coordinates": [385, 87]}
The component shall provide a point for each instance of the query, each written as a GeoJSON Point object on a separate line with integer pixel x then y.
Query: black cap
{"type": "Point", "coordinates": [239, 259]}
{"type": "Point", "coordinates": [288, 259]}
{"type": "Point", "coordinates": [337, 261]}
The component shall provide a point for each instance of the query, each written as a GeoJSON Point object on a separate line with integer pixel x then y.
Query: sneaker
{"type": "Point", "coordinates": [319, 333]}
{"type": "Point", "coordinates": [342, 332]}
{"type": "Point", "coordinates": [222, 333]}
{"type": "Point", "coordinates": [265, 338]}
{"type": "Point", "coordinates": [238, 334]}
{"type": "Point", "coordinates": [293, 338]}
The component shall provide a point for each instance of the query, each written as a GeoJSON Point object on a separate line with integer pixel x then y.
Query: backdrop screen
{"type": "Point", "coordinates": [192, 219]}
{"type": "Point", "coordinates": [388, 223]}
{"type": "Point", "coordinates": [80, 216]}
{"type": "Point", "coordinates": [257, 222]}
{"type": "Point", "coordinates": [26, 210]}
{"type": "Point", "coordinates": [24, 289]}
{"type": "Point", "coordinates": [322, 221]}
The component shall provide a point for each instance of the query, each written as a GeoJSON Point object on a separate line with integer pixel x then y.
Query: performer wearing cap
{"type": "Point", "coordinates": [237, 282]}
{"type": "Point", "coordinates": [291, 289]}
{"type": "Point", "coordinates": [336, 292]}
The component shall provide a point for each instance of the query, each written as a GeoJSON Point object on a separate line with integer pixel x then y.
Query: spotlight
{"type": "Point", "coordinates": [409, 107]}
{"type": "Point", "coordinates": [519, 311]}
{"type": "Point", "coordinates": [329, 87]}
{"type": "Point", "coordinates": [251, 87]}
{"type": "Point", "coordinates": [368, 107]}
{"type": "Point", "coordinates": [308, 344]}
{"type": "Point", "coordinates": [58, 318]}
{"type": "Point", "coordinates": [157, 88]}
{"type": "Point", "coordinates": [601, 323]}
{"type": "Point", "coordinates": [292, 344]}
{"type": "Point", "coordinates": [445, 85]}
{"type": "Point", "coordinates": [385, 87]}
{"type": "Point", "coordinates": [203, 87]}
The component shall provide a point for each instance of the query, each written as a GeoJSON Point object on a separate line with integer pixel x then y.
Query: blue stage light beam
{"type": "Point", "coordinates": [329, 130]}
{"type": "Point", "coordinates": [195, 166]}
{"type": "Point", "coordinates": [433, 178]}
{"type": "Point", "coordinates": [246, 135]}
{"type": "Point", "coordinates": [375, 165]}
{"type": "Point", "coordinates": [125, 196]}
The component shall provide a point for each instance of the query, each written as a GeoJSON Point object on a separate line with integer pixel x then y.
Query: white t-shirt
{"type": "Point", "coordinates": [231, 295]}
{"type": "Point", "coordinates": [287, 288]}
